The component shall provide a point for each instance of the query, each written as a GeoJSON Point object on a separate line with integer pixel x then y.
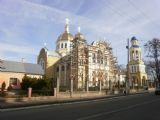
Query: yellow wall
{"type": "Point", "coordinates": [51, 61]}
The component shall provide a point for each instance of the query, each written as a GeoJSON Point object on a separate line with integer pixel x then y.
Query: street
{"type": "Point", "coordinates": [135, 107]}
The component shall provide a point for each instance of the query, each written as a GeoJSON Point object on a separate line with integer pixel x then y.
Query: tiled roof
{"type": "Point", "coordinates": [20, 67]}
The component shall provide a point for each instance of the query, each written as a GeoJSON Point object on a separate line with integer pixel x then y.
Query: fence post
{"type": "Point", "coordinates": [29, 92]}
{"type": "Point", "coordinates": [55, 92]}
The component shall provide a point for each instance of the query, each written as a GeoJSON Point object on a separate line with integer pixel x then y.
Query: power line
{"type": "Point", "coordinates": [143, 13]}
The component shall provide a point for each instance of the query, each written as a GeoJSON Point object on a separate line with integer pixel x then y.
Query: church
{"type": "Point", "coordinates": [77, 65]}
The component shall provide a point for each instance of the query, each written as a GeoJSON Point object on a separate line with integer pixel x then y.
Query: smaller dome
{"type": "Point", "coordinates": [80, 36]}
{"type": "Point", "coordinates": [65, 36]}
{"type": "Point", "coordinates": [133, 38]}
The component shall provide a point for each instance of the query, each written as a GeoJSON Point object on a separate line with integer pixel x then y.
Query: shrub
{"type": "Point", "coordinates": [36, 84]}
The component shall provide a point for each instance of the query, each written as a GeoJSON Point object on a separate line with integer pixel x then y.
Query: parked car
{"type": "Point", "coordinates": [157, 91]}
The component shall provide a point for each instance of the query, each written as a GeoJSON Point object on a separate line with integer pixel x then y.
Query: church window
{"type": "Point", "coordinates": [65, 45]}
{"type": "Point", "coordinates": [99, 57]}
{"type": "Point", "coordinates": [57, 69]}
{"type": "Point", "coordinates": [68, 66]}
{"type": "Point", "coordinates": [94, 57]}
{"type": "Point", "coordinates": [137, 68]}
{"type": "Point", "coordinates": [42, 63]}
{"type": "Point", "coordinates": [132, 55]}
{"type": "Point", "coordinates": [63, 68]}
{"type": "Point", "coordinates": [136, 55]}
{"type": "Point", "coordinates": [102, 60]}
{"type": "Point", "coordinates": [105, 60]}
{"type": "Point", "coordinates": [132, 69]}
{"type": "Point", "coordinates": [61, 45]}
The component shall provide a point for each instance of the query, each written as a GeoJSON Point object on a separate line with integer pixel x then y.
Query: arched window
{"type": "Point", "coordinates": [132, 69]}
{"type": "Point", "coordinates": [58, 69]}
{"type": "Point", "coordinates": [100, 57]}
{"type": "Point", "coordinates": [94, 58]}
{"type": "Point", "coordinates": [61, 45]}
{"type": "Point", "coordinates": [62, 67]}
{"type": "Point", "coordinates": [65, 45]}
{"type": "Point", "coordinates": [132, 55]}
{"type": "Point", "coordinates": [137, 55]}
{"type": "Point", "coordinates": [42, 63]}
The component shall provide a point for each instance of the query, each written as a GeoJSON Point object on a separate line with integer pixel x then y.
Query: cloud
{"type": "Point", "coordinates": [32, 22]}
{"type": "Point", "coordinates": [7, 47]}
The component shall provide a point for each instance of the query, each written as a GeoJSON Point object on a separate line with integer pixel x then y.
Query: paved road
{"type": "Point", "coordinates": [137, 107]}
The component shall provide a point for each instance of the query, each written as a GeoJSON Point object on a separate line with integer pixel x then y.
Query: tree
{"type": "Point", "coordinates": [153, 49]}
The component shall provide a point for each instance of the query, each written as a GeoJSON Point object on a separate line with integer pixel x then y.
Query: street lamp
{"type": "Point", "coordinates": [127, 80]}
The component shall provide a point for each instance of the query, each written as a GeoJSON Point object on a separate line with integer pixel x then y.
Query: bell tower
{"type": "Point", "coordinates": [138, 76]}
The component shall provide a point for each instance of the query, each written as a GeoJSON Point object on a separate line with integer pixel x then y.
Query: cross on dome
{"type": "Point", "coordinates": [79, 29]}
{"type": "Point", "coordinates": [67, 21]}
{"type": "Point", "coordinates": [67, 25]}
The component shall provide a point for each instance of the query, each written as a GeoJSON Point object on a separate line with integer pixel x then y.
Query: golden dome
{"type": "Point", "coordinates": [65, 36]}
{"type": "Point", "coordinates": [80, 36]}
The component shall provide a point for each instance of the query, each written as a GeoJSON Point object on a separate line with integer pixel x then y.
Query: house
{"type": "Point", "coordinates": [12, 72]}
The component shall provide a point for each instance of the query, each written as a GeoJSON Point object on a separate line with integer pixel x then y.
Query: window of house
{"type": "Point", "coordinates": [13, 81]}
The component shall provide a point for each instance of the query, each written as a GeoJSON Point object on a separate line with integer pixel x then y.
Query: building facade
{"type": "Point", "coordinates": [75, 64]}
{"type": "Point", "coordinates": [138, 75]}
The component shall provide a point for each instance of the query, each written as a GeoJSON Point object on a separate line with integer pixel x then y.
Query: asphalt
{"type": "Point", "coordinates": [139, 107]}
{"type": "Point", "coordinates": [4, 106]}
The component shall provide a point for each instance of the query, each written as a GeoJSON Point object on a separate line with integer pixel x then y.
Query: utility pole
{"type": "Point", "coordinates": [128, 75]}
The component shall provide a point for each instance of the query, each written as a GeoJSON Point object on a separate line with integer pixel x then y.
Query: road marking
{"type": "Point", "coordinates": [114, 111]}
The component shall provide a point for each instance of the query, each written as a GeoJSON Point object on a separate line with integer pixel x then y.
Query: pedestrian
{"type": "Point", "coordinates": [124, 92]}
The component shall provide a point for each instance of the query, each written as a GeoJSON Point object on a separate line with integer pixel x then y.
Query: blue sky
{"type": "Point", "coordinates": [25, 25]}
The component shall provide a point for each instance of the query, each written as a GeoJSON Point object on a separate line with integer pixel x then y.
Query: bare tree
{"type": "Point", "coordinates": [153, 49]}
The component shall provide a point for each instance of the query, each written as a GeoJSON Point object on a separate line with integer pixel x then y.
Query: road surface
{"type": "Point", "coordinates": [135, 107]}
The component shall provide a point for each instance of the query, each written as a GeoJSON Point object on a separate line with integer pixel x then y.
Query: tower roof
{"type": "Point", "coordinates": [133, 38]}
{"type": "Point", "coordinates": [79, 35]}
{"type": "Point", "coordinates": [134, 42]}
{"type": "Point", "coordinates": [66, 35]}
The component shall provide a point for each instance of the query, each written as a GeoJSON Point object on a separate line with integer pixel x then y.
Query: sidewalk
{"type": "Point", "coordinates": [6, 103]}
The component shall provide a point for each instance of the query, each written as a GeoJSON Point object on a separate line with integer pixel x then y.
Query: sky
{"type": "Point", "coordinates": [25, 25]}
